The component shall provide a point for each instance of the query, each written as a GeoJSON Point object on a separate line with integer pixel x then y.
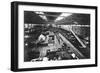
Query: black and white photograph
{"type": "Point", "coordinates": [53, 36]}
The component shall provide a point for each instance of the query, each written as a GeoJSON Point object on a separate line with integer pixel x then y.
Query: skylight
{"type": "Point", "coordinates": [42, 16]}
{"type": "Point", "coordinates": [63, 15]}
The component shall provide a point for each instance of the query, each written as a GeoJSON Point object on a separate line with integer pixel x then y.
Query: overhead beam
{"type": "Point", "coordinates": [75, 25]}
{"type": "Point", "coordinates": [51, 15]}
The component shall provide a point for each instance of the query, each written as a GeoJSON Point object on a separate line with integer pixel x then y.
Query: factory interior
{"type": "Point", "coordinates": [54, 36]}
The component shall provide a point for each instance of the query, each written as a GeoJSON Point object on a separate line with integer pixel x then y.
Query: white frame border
{"type": "Point", "coordinates": [22, 64]}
